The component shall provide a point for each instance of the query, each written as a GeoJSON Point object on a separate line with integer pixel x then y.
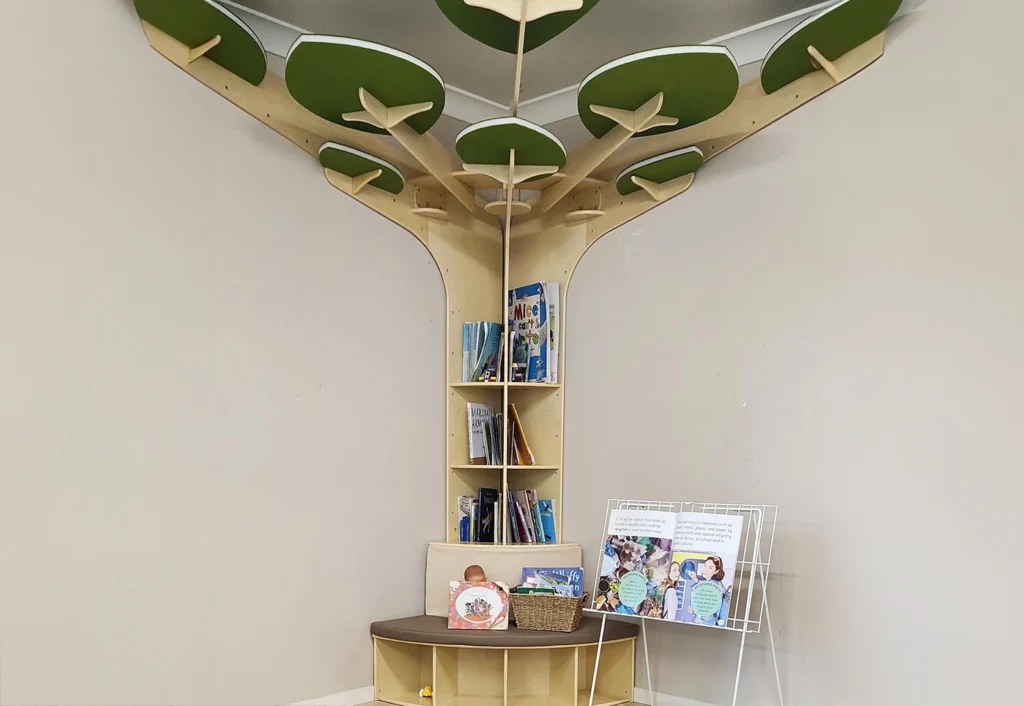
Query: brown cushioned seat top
{"type": "Point", "coordinates": [433, 630]}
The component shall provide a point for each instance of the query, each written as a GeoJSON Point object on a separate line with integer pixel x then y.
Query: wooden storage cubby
{"type": "Point", "coordinates": [400, 670]}
{"type": "Point", "coordinates": [496, 676]}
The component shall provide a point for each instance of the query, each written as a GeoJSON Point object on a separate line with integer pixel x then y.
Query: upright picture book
{"type": "Point", "coordinates": [533, 317]}
{"type": "Point", "coordinates": [477, 606]}
{"type": "Point", "coordinates": [672, 566]}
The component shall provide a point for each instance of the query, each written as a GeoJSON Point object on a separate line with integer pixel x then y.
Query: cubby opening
{"type": "Point", "coordinates": [469, 677]}
{"type": "Point", "coordinates": [401, 669]}
{"type": "Point", "coordinates": [615, 677]}
{"type": "Point", "coordinates": [542, 677]}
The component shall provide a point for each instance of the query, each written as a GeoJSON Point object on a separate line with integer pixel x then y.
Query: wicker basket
{"type": "Point", "coordinates": [544, 611]}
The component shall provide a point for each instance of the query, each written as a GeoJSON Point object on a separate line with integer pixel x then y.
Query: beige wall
{"type": "Point", "coordinates": [193, 322]}
{"type": "Point", "coordinates": [221, 389]}
{"type": "Point", "coordinates": [832, 319]}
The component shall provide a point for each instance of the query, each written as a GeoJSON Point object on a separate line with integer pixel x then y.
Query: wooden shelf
{"type": "Point", "coordinates": [511, 385]}
{"type": "Point", "coordinates": [480, 467]}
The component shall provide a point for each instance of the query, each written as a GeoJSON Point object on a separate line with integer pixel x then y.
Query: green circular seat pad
{"type": "Point", "coordinates": [833, 32]}
{"type": "Point", "coordinates": [491, 141]}
{"type": "Point", "coordinates": [324, 74]}
{"type": "Point", "coordinates": [698, 82]}
{"type": "Point", "coordinates": [195, 22]}
{"type": "Point", "coordinates": [660, 168]}
{"type": "Point", "coordinates": [352, 162]}
{"type": "Point", "coordinates": [499, 32]}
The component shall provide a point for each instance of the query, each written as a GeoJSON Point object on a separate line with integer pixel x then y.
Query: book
{"type": "Point", "coordinates": [487, 500]}
{"type": "Point", "coordinates": [551, 295]}
{"type": "Point", "coordinates": [513, 521]}
{"type": "Point", "coordinates": [705, 551]}
{"type": "Point", "coordinates": [547, 520]}
{"type": "Point", "coordinates": [466, 515]}
{"type": "Point", "coordinates": [566, 581]}
{"type": "Point", "coordinates": [481, 425]}
{"type": "Point", "coordinates": [635, 562]}
{"type": "Point", "coordinates": [486, 364]}
{"type": "Point", "coordinates": [520, 357]}
{"type": "Point", "coordinates": [522, 519]}
{"type": "Point", "coordinates": [538, 530]}
{"type": "Point", "coordinates": [477, 606]}
{"type": "Point", "coordinates": [528, 315]}
{"type": "Point", "coordinates": [519, 443]}
{"type": "Point", "coordinates": [466, 328]}
{"type": "Point", "coordinates": [482, 348]}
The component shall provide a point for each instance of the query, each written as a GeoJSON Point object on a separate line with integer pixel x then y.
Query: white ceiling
{"type": "Point", "coordinates": [479, 79]}
{"type": "Point", "coordinates": [612, 29]}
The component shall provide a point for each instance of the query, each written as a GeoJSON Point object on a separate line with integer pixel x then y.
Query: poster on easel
{"type": "Point", "coordinates": [705, 551]}
{"type": "Point", "coordinates": [677, 566]}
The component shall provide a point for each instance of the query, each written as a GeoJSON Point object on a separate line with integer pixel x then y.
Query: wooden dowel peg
{"type": "Point", "coordinates": [643, 118]}
{"type": "Point", "coordinates": [199, 51]}
{"type": "Point", "coordinates": [825, 64]}
{"type": "Point", "coordinates": [379, 115]}
{"type": "Point", "coordinates": [358, 182]}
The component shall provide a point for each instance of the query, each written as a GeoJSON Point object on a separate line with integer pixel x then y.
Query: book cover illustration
{"type": "Point", "coordinates": [477, 605]}
{"type": "Point", "coordinates": [487, 499]}
{"type": "Point", "coordinates": [480, 428]}
{"type": "Point", "coordinates": [705, 551]}
{"type": "Point", "coordinates": [466, 514]}
{"type": "Point", "coordinates": [547, 520]}
{"type": "Point", "coordinates": [486, 366]}
{"type": "Point", "coordinates": [635, 562]}
{"type": "Point", "coordinates": [566, 581]}
{"type": "Point", "coordinates": [528, 315]}
{"type": "Point", "coordinates": [520, 357]}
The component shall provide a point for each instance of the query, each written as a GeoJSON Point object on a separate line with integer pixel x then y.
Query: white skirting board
{"type": "Point", "coordinates": [344, 698]}
{"type": "Point", "coordinates": [365, 695]}
{"type": "Point", "coordinates": [642, 696]}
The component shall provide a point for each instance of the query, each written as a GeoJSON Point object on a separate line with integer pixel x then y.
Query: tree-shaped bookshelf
{"type": "Point", "coordinates": [366, 111]}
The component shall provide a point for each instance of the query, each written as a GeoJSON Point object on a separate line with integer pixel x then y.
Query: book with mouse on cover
{"type": "Point", "coordinates": [533, 315]}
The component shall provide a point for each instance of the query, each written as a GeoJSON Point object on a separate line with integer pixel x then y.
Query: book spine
{"type": "Point", "coordinates": [535, 514]}
{"type": "Point", "coordinates": [465, 351]}
{"type": "Point", "coordinates": [513, 522]}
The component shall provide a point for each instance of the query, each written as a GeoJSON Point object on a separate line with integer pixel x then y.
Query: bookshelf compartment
{"type": "Point", "coordinates": [467, 480]}
{"type": "Point", "coordinates": [539, 677]}
{"type": "Point", "coordinates": [469, 677]}
{"type": "Point", "coordinates": [540, 412]}
{"type": "Point", "coordinates": [400, 671]}
{"type": "Point", "coordinates": [614, 679]}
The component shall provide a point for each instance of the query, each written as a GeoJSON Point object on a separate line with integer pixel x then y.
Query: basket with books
{"type": "Point", "coordinates": [547, 611]}
{"type": "Point", "coordinates": [549, 599]}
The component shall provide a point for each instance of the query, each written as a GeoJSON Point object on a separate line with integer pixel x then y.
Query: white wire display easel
{"type": "Point", "coordinates": [749, 604]}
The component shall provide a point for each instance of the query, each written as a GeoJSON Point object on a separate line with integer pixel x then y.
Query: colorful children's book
{"type": "Point", "coordinates": [635, 562]}
{"type": "Point", "coordinates": [566, 581]}
{"type": "Point", "coordinates": [486, 363]}
{"type": "Point", "coordinates": [535, 519]}
{"type": "Point", "coordinates": [528, 315]}
{"type": "Point", "coordinates": [705, 551]}
{"type": "Point", "coordinates": [466, 503]}
{"type": "Point", "coordinates": [477, 606]}
{"type": "Point", "coordinates": [523, 453]}
{"type": "Point", "coordinates": [547, 520]}
{"type": "Point", "coordinates": [520, 357]}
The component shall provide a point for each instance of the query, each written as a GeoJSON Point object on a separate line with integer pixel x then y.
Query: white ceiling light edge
{"type": "Point", "coordinates": [748, 45]}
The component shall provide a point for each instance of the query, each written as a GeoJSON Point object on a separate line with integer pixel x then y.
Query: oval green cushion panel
{"type": "Point", "coordinates": [490, 142]}
{"type": "Point", "coordinates": [352, 162]}
{"type": "Point", "coordinates": [833, 32]}
{"type": "Point", "coordinates": [324, 74]}
{"type": "Point", "coordinates": [660, 168]}
{"type": "Point", "coordinates": [195, 22]}
{"type": "Point", "coordinates": [499, 32]}
{"type": "Point", "coordinates": [699, 82]}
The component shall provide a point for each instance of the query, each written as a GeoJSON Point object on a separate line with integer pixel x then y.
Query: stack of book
{"type": "Point", "coordinates": [530, 520]}
{"type": "Point", "coordinates": [484, 435]}
{"type": "Point", "coordinates": [483, 344]}
{"type": "Point", "coordinates": [485, 430]}
{"type": "Point", "coordinates": [533, 318]}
